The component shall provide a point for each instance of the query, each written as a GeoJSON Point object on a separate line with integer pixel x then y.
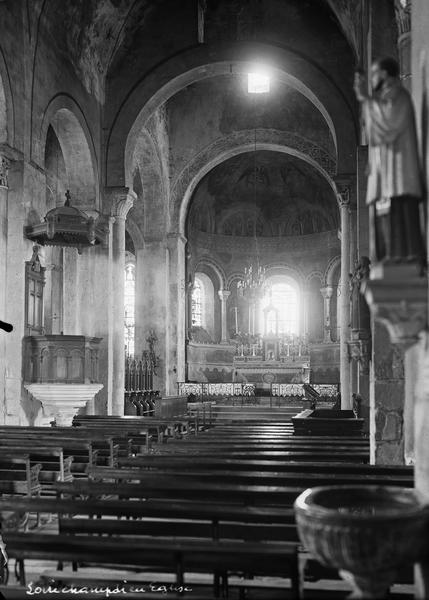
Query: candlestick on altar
{"type": "Point", "coordinates": [236, 319]}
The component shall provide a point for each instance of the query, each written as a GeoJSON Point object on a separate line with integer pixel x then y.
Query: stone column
{"type": "Point", "coordinates": [57, 298]}
{"type": "Point", "coordinates": [189, 292]}
{"type": "Point", "coordinates": [151, 303]}
{"type": "Point", "coordinates": [327, 294]}
{"type": "Point", "coordinates": [387, 391]}
{"type": "Point", "coordinates": [176, 308]}
{"type": "Point", "coordinates": [306, 312]}
{"type": "Point", "coordinates": [121, 200]}
{"type": "Point", "coordinates": [224, 295]}
{"type": "Point", "coordinates": [398, 300]}
{"type": "Point", "coordinates": [3, 253]}
{"type": "Point", "coordinates": [343, 188]}
{"type": "Point", "coordinates": [412, 367]}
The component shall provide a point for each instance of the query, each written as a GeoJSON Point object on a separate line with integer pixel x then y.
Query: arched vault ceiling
{"type": "Point", "coordinates": [89, 32]}
{"type": "Point", "coordinates": [349, 15]}
{"type": "Point", "coordinates": [119, 36]}
{"type": "Point", "coordinates": [266, 193]}
{"type": "Point", "coordinates": [219, 106]}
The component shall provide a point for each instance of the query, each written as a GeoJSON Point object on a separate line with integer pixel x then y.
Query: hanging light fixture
{"type": "Point", "coordinates": [253, 283]}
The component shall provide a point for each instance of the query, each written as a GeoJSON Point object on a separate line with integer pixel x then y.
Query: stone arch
{"type": "Point", "coordinates": [67, 120]}
{"type": "Point", "coordinates": [333, 265]}
{"type": "Point", "coordinates": [214, 266]}
{"type": "Point", "coordinates": [332, 279]}
{"type": "Point", "coordinates": [206, 61]}
{"type": "Point", "coordinates": [232, 278]}
{"type": "Point", "coordinates": [135, 233]}
{"type": "Point", "coordinates": [208, 302]}
{"type": "Point", "coordinates": [7, 110]}
{"type": "Point", "coordinates": [314, 274]}
{"type": "Point", "coordinates": [282, 270]}
{"type": "Point", "coordinates": [223, 149]}
{"type": "Point", "coordinates": [151, 212]}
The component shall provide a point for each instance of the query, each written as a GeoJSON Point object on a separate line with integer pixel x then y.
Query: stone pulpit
{"type": "Point", "coordinates": [61, 371]}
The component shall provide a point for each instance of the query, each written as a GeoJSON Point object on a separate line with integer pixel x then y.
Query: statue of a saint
{"type": "Point", "coordinates": [394, 189]}
{"type": "Point", "coordinates": [359, 311]}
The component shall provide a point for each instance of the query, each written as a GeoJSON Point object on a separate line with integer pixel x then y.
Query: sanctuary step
{"type": "Point", "coordinates": [253, 412]}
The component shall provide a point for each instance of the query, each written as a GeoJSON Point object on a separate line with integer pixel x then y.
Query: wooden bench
{"type": "Point", "coordinates": [18, 476]}
{"type": "Point", "coordinates": [158, 508]}
{"type": "Point", "coordinates": [91, 441]}
{"type": "Point", "coordinates": [190, 490]}
{"type": "Point", "coordinates": [328, 454]}
{"type": "Point", "coordinates": [183, 461]}
{"type": "Point", "coordinates": [161, 427]}
{"type": "Point", "coordinates": [208, 556]}
{"type": "Point", "coordinates": [249, 476]}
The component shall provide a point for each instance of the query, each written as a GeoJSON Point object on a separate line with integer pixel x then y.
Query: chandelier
{"type": "Point", "coordinates": [252, 285]}
{"type": "Point", "coordinates": [253, 282]}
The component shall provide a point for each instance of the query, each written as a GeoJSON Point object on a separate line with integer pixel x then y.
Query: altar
{"type": "Point", "coordinates": [271, 359]}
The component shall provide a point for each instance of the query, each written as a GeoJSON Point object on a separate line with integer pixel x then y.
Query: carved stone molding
{"type": "Point", "coordinates": [239, 139]}
{"type": "Point", "coordinates": [120, 200]}
{"type": "Point", "coordinates": [403, 16]}
{"type": "Point", "coordinates": [224, 295]}
{"type": "Point", "coordinates": [399, 301]}
{"type": "Point", "coordinates": [343, 195]}
{"type": "Point", "coordinates": [327, 291]}
{"type": "Point", "coordinates": [4, 168]}
{"type": "Point", "coordinates": [61, 402]}
{"type": "Point", "coordinates": [343, 184]}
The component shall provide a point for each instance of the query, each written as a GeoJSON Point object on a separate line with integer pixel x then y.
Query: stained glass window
{"type": "Point", "coordinates": [197, 305]}
{"type": "Point", "coordinates": [130, 300]}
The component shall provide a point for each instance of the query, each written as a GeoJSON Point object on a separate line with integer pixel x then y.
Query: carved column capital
{"type": "Point", "coordinates": [119, 201]}
{"type": "Point", "coordinates": [343, 183]}
{"type": "Point", "coordinates": [4, 169]}
{"type": "Point", "coordinates": [224, 295]}
{"type": "Point", "coordinates": [359, 347]}
{"type": "Point", "coordinates": [399, 301]}
{"type": "Point", "coordinates": [327, 291]}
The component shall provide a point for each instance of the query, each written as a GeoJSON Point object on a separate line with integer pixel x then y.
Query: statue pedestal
{"type": "Point", "coordinates": [61, 401]}
{"type": "Point", "coordinates": [397, 296]}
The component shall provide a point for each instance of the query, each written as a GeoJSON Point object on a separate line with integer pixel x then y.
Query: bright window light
{"type": "Point", "coordinates": [258, 83]}
{"type": "Point", "coordinates": [280, 309]}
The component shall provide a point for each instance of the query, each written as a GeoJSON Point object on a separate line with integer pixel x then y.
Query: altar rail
{"type": "Point", "coordinates": [289, 390]}
{"type": "Point", "coordinates": [211, 390]}
{"type": "Point", "coordinates": [230, 390]}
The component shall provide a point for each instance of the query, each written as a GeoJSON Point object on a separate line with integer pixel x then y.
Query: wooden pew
{"type": "Point", "coordinates": [168, 555]}
{"type": "Point", "coordinates": [183, 461]}
{"type": "Point", "coordinates": [18, 476]}
{"type": "Point", "coordinates": [157, 509]}
{"type": "Point", "coordinates": [167, 488]}
{"type": "Point", "coordinates": [325, 455]}
{"type": "Point", "coordinates": [223, 476]}
{"type": "Point", "coordinates": [99, 442]}
{"type": "Point", "coordinates": [160, 427]}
